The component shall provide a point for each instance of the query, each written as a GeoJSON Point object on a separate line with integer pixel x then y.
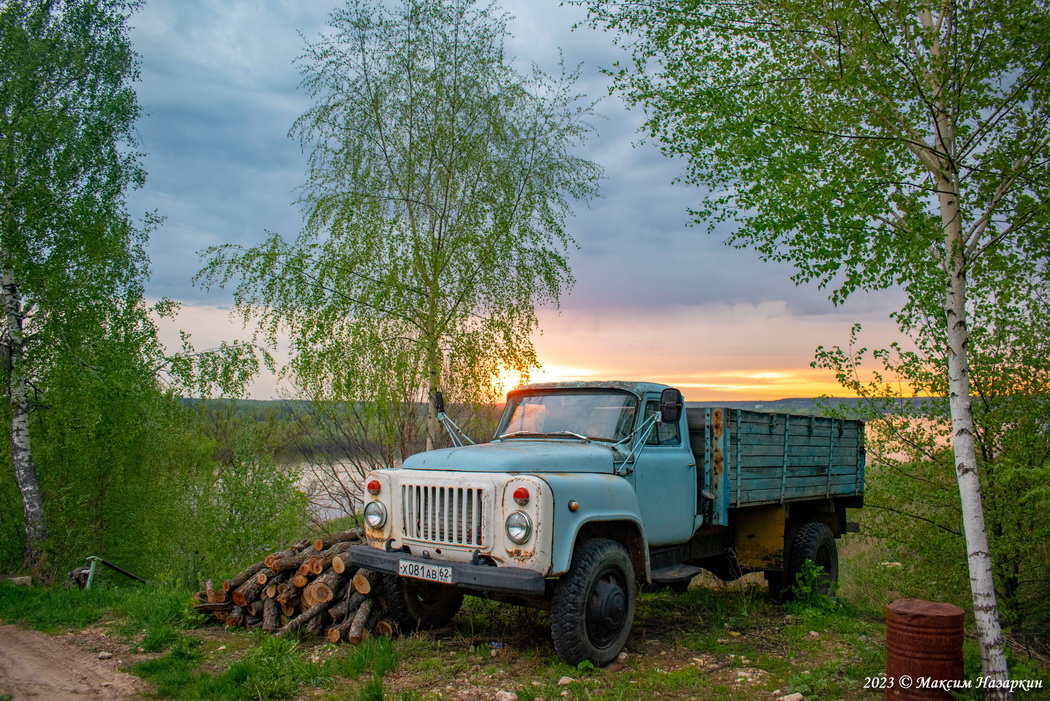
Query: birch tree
{"type": "Point", "coordinates": [68, 249]}
{"type": "Point", "coordinates": [870, 143]}
{"type": "Point", "coordinates": [439, 182]}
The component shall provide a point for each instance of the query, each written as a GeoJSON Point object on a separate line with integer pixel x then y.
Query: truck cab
{"type": "Point", "coordinates": [588, 490]}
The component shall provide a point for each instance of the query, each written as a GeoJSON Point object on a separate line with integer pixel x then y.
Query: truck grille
{"type": "Point", "coordinates": [448, 515]}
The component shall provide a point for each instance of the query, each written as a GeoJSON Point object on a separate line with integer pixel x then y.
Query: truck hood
{"type": "Point", "coordinates": [518, 455]}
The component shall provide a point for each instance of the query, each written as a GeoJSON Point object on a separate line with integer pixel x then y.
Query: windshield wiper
{"type": "Point", "coordinates": [512, 434]}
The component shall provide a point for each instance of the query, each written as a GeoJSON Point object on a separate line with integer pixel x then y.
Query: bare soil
{"type": "Point", "coordinates": [35, 665]}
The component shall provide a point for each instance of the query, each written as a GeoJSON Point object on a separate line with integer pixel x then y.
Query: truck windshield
{"type": "Point", "coordinates": [605, 416]}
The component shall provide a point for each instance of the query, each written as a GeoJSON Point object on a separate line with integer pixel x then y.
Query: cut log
{"type": "Point", "coordinates": [291, 592]}
{"type": "Point", "coordinates": [284, 561]}
{"type": "Point", "coordinates": [235, 617]}
{"type": "Point", "coordinates": [289, 610]}
{"type": "Point", "coordinates": [347, 606]}
{"type": "Point", "coordinates": [314, 565]}
{"type": "Point", "coordinates": [325, 587]}
{"type": "Point", "coordinates": [325, 542]}
{"type": "Point", "coordinates": [386, 627]}
{"type": "Point", "coordinates": [365, 580]}
{"type": "Point", "coordinates": [305, 617]}
{"type": "Point", "coordinates": [264, 576]}
{"type": "Point", "coordinates": [300, 580]}
{"type": "Point", "coordinates": [249, 591]}
{"type": "Point", "coordinates": [339, 564]}
{"type": "Point", "coordinates": [328, 556]}
{"type": "Point", "coordinates": [242, 577]}
{"type": "Point", "coordinates": [317, 592]}
{"type": "Point", "coordinates": [342, 629]}
{"type": "Point", "coordinates": [271, 615]}
{"type": "Point", "coordinates": [307, 597]}
{"type": "Point", "coordinates": [290, 552]}
{"type": "Point", "coordinates": [213, 606]}
{"type": "Point", "coordinates": [316, 626]}
{"type": "Point", "coordinates": [358, 627]}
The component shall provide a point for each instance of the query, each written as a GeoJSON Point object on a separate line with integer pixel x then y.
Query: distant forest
{"type": "Point", "coordinates": [278, 409]}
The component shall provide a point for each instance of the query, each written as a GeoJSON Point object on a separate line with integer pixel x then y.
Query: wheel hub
{"type": "Point", "coordinates": [608, 609]}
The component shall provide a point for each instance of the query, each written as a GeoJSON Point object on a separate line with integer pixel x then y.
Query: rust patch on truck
{"type": "Point", "coordinates": [717, 432]}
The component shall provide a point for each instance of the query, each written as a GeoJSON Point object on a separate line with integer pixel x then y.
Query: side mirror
{"type": "Point", "coordinates": [439, 403]}
{"type": "Point", "coordinates": [670, 406]}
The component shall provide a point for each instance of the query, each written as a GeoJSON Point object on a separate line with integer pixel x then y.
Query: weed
{"type": "Point", "coordinates": [809, 590]}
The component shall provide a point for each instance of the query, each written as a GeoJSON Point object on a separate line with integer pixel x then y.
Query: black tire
{"type": "Point", "coordinates": [593, 604]}
{"type": "Point", "coordinates": [419, 605]}
{"type": "Point", "coordinates": [815, 542]}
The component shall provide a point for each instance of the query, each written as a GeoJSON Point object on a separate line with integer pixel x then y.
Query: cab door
{"type": "Point", "coordinates": [664, 478]}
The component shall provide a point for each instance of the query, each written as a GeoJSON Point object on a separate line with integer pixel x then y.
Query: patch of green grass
{"type": "Point", "coordinates": [54, 608]}
{"type": "Point", "coordinates": [273, 669]}
{"type": "Point", "coordinates": [152, 617]}
{"type": "Point", "coordinates": [157, 615]}
{"type": "Point", "coordinates": [375, 655]}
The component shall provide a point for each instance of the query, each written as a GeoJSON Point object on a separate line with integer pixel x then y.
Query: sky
{"type": "Point", "coordinates": [656, 298]}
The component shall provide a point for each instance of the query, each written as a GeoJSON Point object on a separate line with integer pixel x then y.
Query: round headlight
{"type": "Point", "coordinates": [519, 527]}
{"type": "Point", "coordinates": [375, 514]}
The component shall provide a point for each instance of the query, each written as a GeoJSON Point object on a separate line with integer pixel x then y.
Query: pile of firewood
{"type": "Point", "coordinates": [310, 587]}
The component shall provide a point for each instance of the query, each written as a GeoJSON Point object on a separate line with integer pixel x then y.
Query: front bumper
{"type": "Point", "coordinates": [484, 578]}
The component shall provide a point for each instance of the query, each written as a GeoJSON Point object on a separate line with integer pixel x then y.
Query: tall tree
{"type": "Point", "coordinates": [68, 248]}
{"type": "Point", "coordinates": [871, 144]}
{"type": "Point", "coordinates": [435, 202]}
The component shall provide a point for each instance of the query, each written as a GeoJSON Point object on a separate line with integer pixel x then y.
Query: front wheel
{"type": "Point", "coordinates": [419, 605]}
{"type": "Point", "coordinates": [593, 604]}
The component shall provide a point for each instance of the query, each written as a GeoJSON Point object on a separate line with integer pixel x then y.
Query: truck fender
{"type": "Point", "coordinates": [595, 505]}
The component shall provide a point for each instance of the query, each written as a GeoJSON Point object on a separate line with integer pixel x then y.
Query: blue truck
{"type": "Point", "coordinates": [592, 489]}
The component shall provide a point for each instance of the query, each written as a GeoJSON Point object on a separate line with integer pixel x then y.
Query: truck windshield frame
{"type": "Point", "coordinates": [593, 414]}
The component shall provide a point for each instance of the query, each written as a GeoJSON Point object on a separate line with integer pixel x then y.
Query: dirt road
{"type": "Point", "coordinates": [34, 665]}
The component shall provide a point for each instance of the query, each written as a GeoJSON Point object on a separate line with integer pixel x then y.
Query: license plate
{"type": "Point", "coordinates": [421, 570]}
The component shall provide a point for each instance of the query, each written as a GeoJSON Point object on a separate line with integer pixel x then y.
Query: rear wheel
{"type": "Point", "coordinates": [419, 605]}
{"type": "Point", "coordinates": [593, 604]}
{"type": "Point", "coordinates": [814, 542]}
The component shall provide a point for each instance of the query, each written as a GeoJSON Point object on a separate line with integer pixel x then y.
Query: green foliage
{"type": "Point", "coordinates": [814, 127]}
{"type": "Point", "coordinates": [434, 205]}
{"type": "Point", "coordinates": [911, 502]}
{"type": "Point", "coordinates": [808, 590]}
{"type": "Point", "coordinates": [71, 258]}
{"type": "Point", "coordinates": [132, 475]}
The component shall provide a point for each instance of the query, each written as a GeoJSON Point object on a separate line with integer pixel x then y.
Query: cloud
{"type": "Point", "coordinates": [655, 294]}
{"type": "Point", "coordinates": [710, 351]}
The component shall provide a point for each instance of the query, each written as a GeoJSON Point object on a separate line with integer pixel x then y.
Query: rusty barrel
{"type": "Point", "coordinates": [924, 642]}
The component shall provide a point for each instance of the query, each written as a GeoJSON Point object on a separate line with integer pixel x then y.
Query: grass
{"type": "Point", "coordinates": [709, 643]}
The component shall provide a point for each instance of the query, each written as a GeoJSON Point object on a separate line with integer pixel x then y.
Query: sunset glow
{"type": "Point", "coordinates": [767, 355]}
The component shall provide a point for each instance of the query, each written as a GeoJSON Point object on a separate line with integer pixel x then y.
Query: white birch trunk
{"type": "Point", "coordinates": [979, 558]}
{"type": "Point", "coordinates": [21, 453]}
{"type": "Point", "coordinates": [433, 385]}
